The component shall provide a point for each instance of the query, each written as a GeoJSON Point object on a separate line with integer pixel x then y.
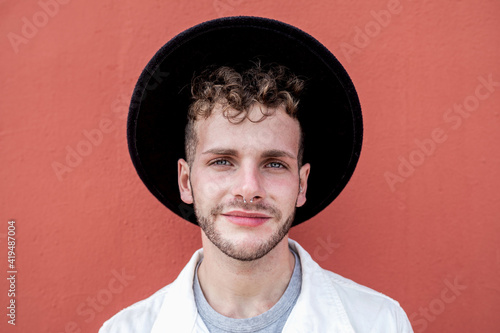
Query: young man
{"type": "Point", "coordinates": [250, 160]}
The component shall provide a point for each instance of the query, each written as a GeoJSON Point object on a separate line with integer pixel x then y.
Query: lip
{"type": "Point", "coordinates": [245, 218]}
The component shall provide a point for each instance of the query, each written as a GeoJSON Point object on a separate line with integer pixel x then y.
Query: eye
{"type": "Point", "coordinates": [221, 162]}
{"type": "Point", "coordinates": [276, 165]}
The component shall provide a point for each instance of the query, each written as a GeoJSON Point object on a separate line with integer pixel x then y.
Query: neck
{"type": "Point", "coordinates": [244, 289]}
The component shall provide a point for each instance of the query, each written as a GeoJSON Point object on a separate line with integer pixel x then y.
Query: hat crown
{"type": "Point", "coordinates": [329, 109]}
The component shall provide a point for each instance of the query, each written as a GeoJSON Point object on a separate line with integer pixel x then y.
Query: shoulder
{"type": "Point", "coordinates": [368, 309]}
{"type": "Point", "coordinates": [175, 302]}
{"type": "Point", "coordinates": [362, 298]}
{"type": "Point", "coordinates": [138, 317]}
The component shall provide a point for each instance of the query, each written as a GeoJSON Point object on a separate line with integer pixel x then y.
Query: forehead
{"type": "Point", "coordinates": [276, 131]}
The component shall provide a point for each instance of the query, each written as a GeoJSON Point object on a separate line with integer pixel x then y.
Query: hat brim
{"type": "Point", "coordinates": [329, 109]}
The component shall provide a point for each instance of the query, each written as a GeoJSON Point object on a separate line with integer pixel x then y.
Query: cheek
{"type": "Point", "coordinates": [210, 185]}
{"type": "Point", "coordinates": [282, 189]}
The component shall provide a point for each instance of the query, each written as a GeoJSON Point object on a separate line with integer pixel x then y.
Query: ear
{"type": "Point", "coordinates": [303, 174]}
{"type": "Point", "coordinates": [183, 180]}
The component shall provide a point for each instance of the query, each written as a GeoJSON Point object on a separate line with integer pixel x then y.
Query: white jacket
{"type": "Point", "coordinates": [327, 303]}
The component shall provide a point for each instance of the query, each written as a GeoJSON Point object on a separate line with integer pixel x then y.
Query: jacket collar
{"type": "Point", "coordinates": [318, 308]}
{"type": "Point", "coordinates": [179, 308]}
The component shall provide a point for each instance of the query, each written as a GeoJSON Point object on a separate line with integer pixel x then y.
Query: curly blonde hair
{"type": "Point", "coordinates": [236, 92]}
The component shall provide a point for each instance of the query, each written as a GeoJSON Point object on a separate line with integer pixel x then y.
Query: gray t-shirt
{"type": "Point", "coordinates": [272, 320]}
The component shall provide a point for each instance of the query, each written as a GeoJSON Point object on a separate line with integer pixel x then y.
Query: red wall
{"type": "Point", "coordinates": [419, 221]}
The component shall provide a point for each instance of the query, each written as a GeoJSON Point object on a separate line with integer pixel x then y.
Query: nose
{"type": "Point", "coordinates": [248, 184]}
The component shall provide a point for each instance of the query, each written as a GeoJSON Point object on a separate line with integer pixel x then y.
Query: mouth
{"type": "Point", "coordinates": [245, 218]}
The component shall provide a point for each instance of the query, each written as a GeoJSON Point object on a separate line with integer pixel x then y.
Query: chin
{"type": "Point", "coordinates": [248, 246]}
{"type": "Point", "coordinates": [242, 242]}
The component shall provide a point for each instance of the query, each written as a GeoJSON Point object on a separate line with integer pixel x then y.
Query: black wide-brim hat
{"type": "Point", "coordinates": [329, 109]}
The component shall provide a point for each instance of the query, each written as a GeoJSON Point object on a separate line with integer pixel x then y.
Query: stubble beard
{"type": "Point", "coordinates": [207, 224]}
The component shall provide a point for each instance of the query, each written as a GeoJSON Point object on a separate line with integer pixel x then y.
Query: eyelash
{"type": "Point", "coordinates": [282, 166]}
{"type": "Point", "coordinates": [217, 162]}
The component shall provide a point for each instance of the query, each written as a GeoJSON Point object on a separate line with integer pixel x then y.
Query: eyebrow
{"type": "Point", "coordinates": [278, 153]}
{"type": "Point", "coordinates": [266, 154]}
{"type": "Point", "coordinates": [221, 151]}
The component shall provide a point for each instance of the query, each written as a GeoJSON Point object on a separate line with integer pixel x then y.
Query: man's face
{"type": "Point", "coordinates": [249, 161]}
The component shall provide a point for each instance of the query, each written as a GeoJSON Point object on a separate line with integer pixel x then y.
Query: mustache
{"type": "Point", "coordinates": [255, 207]}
